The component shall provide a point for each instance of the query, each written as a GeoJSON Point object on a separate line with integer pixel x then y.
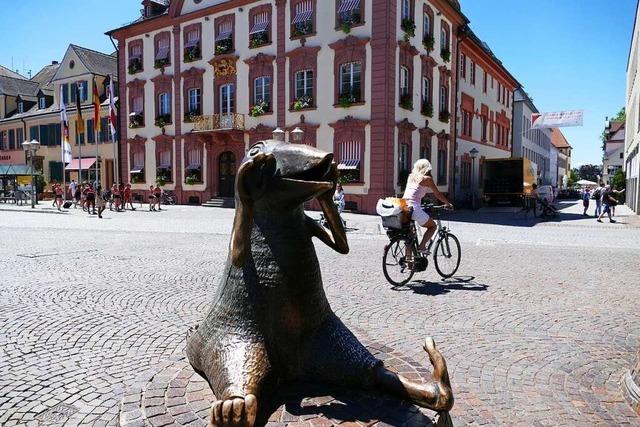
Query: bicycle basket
{"type": "Point", "coordinates": [393, 213]}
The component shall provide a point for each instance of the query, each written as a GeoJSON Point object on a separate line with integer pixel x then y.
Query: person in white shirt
{"type": "Point", "coordinates": [418, 183]}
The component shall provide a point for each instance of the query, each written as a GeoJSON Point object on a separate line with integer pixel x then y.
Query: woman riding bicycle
{"type": "Point", "coordinates": [418, 183]}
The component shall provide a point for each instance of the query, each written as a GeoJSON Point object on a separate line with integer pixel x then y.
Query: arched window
{"type": "Point", "coordinates": [262, 90]}
{"type": "Point", "coordinates": [404, 81]}
{"type": "Point", "coordinates": [426, 26]}
{"type": "Point", "coordinates": [443, 99]}
{"type": "Point", "coordinates": [444, 39]}
{"type": "Point", "coordinates": [164, 104]}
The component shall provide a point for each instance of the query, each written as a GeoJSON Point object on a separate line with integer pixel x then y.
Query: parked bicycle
{"type": "Point", "coordinates": [401, 259]}
{"type": "Point", "coordinates": [168, 197]}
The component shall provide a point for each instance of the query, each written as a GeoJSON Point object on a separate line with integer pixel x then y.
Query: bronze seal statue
{"type": "Point", "coordinates": [270, 321]}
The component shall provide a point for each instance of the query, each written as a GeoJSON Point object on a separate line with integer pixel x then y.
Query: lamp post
{"type": "Point", "coordinates": [31, 148]}
{"type": "Point", "coordinates": [297, 135]}
{"type": "Point", "coordinates": [473, 153]}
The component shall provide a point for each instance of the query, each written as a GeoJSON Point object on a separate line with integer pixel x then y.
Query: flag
{"type": "Point", "coordinates": [64, 121]}
{"type": "Point", "coordinates": [112, 108]}
{"type": "Point", "coordinates": [79, 120]}
{"type": "Point", "coordinates": [556, 120]}
{"type": "Point", "coordinates": [96, 107]}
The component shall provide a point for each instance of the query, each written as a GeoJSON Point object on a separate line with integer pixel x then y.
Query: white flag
{"type": "Point", "coordinates": [64, 126]}
{"type": "Point", "coordinates": [67, 156]}
{"type": "Point", "coordinates": [557, 120]}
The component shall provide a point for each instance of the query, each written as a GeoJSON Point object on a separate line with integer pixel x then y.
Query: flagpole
{"type": "Point", "coordinates": [79, 153]}
{"type": "Point", "coordinates": [64, 166]}
{"type": "Point", "coordinates": [95, 138]}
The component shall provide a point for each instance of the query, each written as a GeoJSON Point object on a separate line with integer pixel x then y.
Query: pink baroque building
{"type": "Point", "coordinates": [370, 80]}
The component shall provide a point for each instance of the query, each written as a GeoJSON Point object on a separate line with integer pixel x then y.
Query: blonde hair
{"type": "Point", "coordinates": [421, 169]}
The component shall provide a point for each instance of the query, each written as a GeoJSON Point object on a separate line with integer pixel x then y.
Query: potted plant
{"type": "Point", "coordinates": [305, 101]}
{"type": "Point", "coordinates": [135, 65]}
{"type": "Point", "coordinates": [137, 178]}
{"type": "Point", "coordinates": [444, 116]}
{"type": "Point", "coordinates": [427, 109]}
{"type": "Point", "coordinates": [163, 120]}
{"type": "Point", "coordinates": [445, 54]}
{"type": "Point", "coordinates": [161, 179]}
{"type": "Point", "coordinates": [136, 121]}
{"type": "Point", "coordinates": [302, 29]}
{"type": "Point", "coordinates": [160, 63]}
{"type": "Point", "coordinates": [192, 54]}
{"type": "Point", "coordinates": [406, 101]}
{"type": "Point", "coordinates": [428, 42]}
{"type": "Point", "coordinates": [258, 39]}
{"type": "Point", "coordinates": [409, 28]}
{"type": "Point", "coordinates": [346, 100]}
{"type": "Point", "coordinates": [224, 46]}
{"type": "Point", "coordinates": [259, 109]}
{"type": "Point", "coordinates": [192, 179]}
{"type": "Point", "coordinates": [191, 116]}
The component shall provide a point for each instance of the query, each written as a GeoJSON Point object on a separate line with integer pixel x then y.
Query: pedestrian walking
{"type": "Point", "coordinates": [608, 200]}
{"type": "Point", "coordinates": [597, 196]}
{"type": "Point", "coordinates": [77, 196]}
{"type": "Point", "coordinates": [91, 199]}
{"type": "Point", "coordinates": [117, 197]}
{"type": "Point", "coordinates": [58, 190]}
{"type": "Point", "coordinates": [72, 189]}
{"type": "Point", "coordinates": [158, 193]}
{"type": "Point", "coordinates": [102, 196]}
{"type": "Point", "coordinates": [586, 196]}
{"type": "Point", "coordinates": [152, 199]}
{"type": "Point", "coordinates": [128, 197]}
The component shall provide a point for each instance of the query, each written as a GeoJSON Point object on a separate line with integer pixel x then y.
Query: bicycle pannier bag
{"type": "Point", "coordinates": [394, 212]}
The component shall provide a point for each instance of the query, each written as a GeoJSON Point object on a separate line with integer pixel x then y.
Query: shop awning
{"type": "Point", "coordinates": [259, 27]}
{"type": "Point", "coordinates": [348, 5]}
{"type": "Point", "coordinates": [16, 170]}
{"type": "Point", "coordinates": [347, 165]}
{"type": "Point", "coordinates": [87, 163]}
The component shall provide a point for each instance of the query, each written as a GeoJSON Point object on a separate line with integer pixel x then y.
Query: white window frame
{"type": "Point", "coordinates": [227, 105]}
{"type": "Point", "coordinates": [20, 107]}
{"type": "Point", "coordinates": [444, 39]}
{"type": "Point", "coordinates": [426, 25]}
{"type": "Point", "coordinates": [262, 89]}
{"type": "Point", "coordinates": [306, 81]}
{"type": "Point", "coordinates": [405, 9]}
{"type": "Point", "coordinates": [404, 80]}
{"type": "Point", "coordinates": [164, 104]}
{"type": "Point", "coordinates": [443, 99]}
{"type": "Point", "coordinates": [195, 99]}
{"type": "Point", "coordinates": [42, 103]}
{"type": "Point", "coordinates": [350, 69]}
{"type": "Point", "coordinates": [426, 89]}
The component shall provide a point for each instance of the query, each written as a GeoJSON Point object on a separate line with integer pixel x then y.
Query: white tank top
{"type": "Point", "coordinates": [414, 193]}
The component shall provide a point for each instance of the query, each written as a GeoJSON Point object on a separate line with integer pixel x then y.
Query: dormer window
{"type": "Point", "coordinates": [20, 107]}
{"type": "Point", "coordinates": [42, 103]}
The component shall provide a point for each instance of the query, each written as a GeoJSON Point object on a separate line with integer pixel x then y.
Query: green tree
{"type": "Point", "coordinates": [618, 181]}
{"type": "Point", "coordinates": [573, 177]}
{"type": "Point", "coordinates": [590, 172]}
{"type": "Point", "coordinates": [621, 116]}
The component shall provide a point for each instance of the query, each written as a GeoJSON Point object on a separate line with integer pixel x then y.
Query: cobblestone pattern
{"type": "Point", "coordinates": [539, 328]}
{"type": "Point", "coordinates": [172, 394]}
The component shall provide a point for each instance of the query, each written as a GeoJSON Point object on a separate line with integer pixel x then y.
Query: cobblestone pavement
{"type": "Point", "coordinates": [538, 329]}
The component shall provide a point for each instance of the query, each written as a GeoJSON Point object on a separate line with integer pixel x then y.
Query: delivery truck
{"type": "Point", "coordinates": [506, 181]}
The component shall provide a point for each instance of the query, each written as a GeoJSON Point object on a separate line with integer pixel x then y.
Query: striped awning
{"type": "Point", "coordinates": [224, 35]}
{"type": "Point", "coordinates": [352, 164]}
{"type": "Point", "coordinates": [86, 164]}
{"type": "Point", "coordinates": [348, 5]}
{"type": "Point", "coordinates": [303, 16]}
{"type": "Point", "coordinates": [192, 43]}
{"type": "Point", "coordinates": [137, 169]}
{"type": "Point", "coordinates": [259, 27]}
{"type": "Point", "coordinates": [193, 167]}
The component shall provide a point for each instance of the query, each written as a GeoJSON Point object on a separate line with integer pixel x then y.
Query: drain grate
{"type": "Point", "coordinates": [58, 414]}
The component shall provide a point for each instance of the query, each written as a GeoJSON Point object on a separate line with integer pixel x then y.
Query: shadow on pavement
{"type": "Point", "coordinates": [445, 286]}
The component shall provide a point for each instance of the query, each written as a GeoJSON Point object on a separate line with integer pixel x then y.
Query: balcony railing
{"type": "Point", "coordinates": [231, 121]}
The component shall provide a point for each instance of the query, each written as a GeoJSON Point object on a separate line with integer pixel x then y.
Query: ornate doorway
{"type": "Point", "coordinates": [226, 174]}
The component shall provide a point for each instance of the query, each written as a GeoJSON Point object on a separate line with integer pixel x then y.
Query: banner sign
{"type": "Point", "coordinates": [556, 120]}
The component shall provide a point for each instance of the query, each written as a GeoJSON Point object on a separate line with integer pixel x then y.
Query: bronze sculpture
{"type": "Point", "coordinates": [270, 320]}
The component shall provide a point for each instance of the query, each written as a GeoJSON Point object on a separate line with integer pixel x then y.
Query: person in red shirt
{"type": "Point", "coordinates": [158, 193]}
{"type": "Point", "coordinates": [127, 197]}
{"type": "Point", "coordinates": [91, 199]}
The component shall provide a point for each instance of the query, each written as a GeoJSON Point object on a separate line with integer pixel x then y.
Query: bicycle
{"type": "Point", "coordinates": [168, 198]}
{"type": "Point", "coordinates": [399, 268]}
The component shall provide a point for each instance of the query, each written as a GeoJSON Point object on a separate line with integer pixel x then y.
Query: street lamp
{"type": "Point", "coordinates": [31, 148]}
{"type": "Point", "coordinates": [297, 135]}
{"type": "Point", "coordinates": [473, 153]}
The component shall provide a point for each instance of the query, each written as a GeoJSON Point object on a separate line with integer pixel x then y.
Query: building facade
{"type": "Point", "coordinates": [533, 144]}
{"type": "Point", "coordinates": [369, 80]}
{"type": "Point", "coordinates": [485, 106]}
{"type": "Point", "coordinates": [31, 111]}
{"type": "Point", "coordinates": [632, 125]}
{"type": "Point", "coordinates": [613, 150]}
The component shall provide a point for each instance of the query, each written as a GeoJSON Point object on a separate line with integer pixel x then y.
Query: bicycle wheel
{"type": "Point", "coordinates": [397, 270]}
{"type": "Point", "coordinates": [446, 256]}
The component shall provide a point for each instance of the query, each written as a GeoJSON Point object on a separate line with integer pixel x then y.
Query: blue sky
{"type": "Point", "coordinates": [568, 54]}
